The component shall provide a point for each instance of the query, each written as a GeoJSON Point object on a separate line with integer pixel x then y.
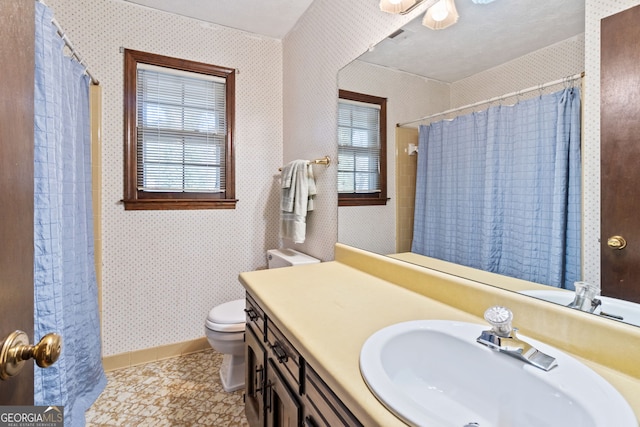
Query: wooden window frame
{"type": "Point", "coordinates": [377, 198]}
{"type": "Point", "coordinates": [135, 199]}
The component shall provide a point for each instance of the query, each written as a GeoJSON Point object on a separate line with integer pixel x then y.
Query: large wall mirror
{"type": "Point", "coordinates": [494, 49]}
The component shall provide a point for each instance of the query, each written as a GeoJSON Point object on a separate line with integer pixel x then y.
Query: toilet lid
{"type": "Point", "coordinates": [231, 312]}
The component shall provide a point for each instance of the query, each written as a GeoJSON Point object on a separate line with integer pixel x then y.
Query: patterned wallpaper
{"type": "Point", "coordinates": [164, 270]}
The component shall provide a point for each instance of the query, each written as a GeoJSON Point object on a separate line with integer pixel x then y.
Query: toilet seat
{"type": "Point", "coordinates": [227, 317]}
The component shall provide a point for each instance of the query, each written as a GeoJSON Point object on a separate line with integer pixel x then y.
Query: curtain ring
{"type": "Point", "coordinates": [518, 96]}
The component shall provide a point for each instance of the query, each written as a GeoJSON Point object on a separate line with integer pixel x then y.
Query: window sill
{"type": "Point", "coordinates": [362, 201]}
{"type": "Point", "coordinates": [182, 204]}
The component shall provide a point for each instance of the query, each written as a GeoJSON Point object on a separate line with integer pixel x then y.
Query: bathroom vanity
{"type": "Point", "coordinates": [307, 326]}
{"type": "Point", "coordinates": [281, 388]}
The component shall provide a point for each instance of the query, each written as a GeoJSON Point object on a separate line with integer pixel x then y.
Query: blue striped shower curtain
{"type": "Point", "coordinates": [64, 274]}
{"type": "Point", "coordinates": [499, 190]}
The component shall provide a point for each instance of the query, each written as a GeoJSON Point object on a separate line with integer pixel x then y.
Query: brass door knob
{"type": "Point", "coordinates": [16, 350]}
{"type": "Point", "coordinates": [616, 242]}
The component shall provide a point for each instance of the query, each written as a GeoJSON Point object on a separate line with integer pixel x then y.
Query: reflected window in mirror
{"type": "Point", "coordinates": [362, 153]}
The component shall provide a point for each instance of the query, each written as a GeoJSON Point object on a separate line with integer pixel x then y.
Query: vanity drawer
{"type": "Point", "coordinates": [322, 408]}
{"type": "Point", "coordinates": [285, 356]}
{"type": "Point", "coordinates": [255, 317]}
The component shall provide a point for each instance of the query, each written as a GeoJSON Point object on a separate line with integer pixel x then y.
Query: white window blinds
{"type": "Point", "coordinates": [181, 131]}
{"type": "Point", "coordinates": [358, 147]}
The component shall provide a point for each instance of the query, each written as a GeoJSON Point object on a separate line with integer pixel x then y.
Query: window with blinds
{"type": "Point", "coordinates": [181, 131]}
{"type": "Point", "coordinates": [178, 143]}
{"type": "Point", "coordinates": [361, 149]}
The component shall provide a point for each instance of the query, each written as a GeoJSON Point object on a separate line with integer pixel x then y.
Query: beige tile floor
{"type": "Point", "coordinates": [183, 391]}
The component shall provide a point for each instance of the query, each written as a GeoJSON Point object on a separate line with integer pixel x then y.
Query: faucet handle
{"type": "Point", "coordinates": [500, 319]}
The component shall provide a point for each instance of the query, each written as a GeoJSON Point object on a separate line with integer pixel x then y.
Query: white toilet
{"type": "Point", "coordinates": [225, 323]}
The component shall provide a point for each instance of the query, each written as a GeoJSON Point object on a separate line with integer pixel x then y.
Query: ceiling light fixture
{"type": "Point", "coordinates": [441, 15]}
{"type": "Point", "coordinates": [399, 6]}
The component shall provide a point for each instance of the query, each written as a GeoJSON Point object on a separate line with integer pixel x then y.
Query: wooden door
{"type": "Point", "coordinates": [620, 153]}
{"type": "Point", "coordinates": [17, 28]}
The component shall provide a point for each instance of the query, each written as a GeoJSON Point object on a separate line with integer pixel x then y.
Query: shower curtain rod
{"type": "Point", "coordinates": [74, 53]}
{"type": "Point", "coordinates": [497, 98]}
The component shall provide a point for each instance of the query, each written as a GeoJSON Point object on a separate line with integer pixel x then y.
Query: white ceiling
{"type": "Point", "coordinates": [486, 35]}
{"type": "Point", "coordinates": [272, 18]}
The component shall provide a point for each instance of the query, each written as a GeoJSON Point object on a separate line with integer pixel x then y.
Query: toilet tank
{"type": "Point", "coordinates": [277, 258]}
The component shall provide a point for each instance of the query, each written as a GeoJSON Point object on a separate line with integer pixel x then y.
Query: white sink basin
{"type": "Point", "coordinates": [612, 308]}
{"type": "Point", "coordinates": [434, 373]}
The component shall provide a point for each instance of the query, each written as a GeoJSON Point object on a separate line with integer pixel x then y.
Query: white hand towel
{"type": "Point", "coordinates": [298, 190]}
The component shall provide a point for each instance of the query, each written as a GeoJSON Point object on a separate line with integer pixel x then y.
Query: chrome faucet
{"type": "Point", "coordinates": [585, 297]}
{"type": "Point", "coordinates": [502, 337]}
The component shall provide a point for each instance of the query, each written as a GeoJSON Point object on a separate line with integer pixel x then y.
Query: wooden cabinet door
{"type": "Point", "coordinates": [281, 404]}
{"type": "Point", "coordinates": [255, 377]}
{"type": "Point", "coordinates": [620, 153]}
{"type": "Point", "coordinates": [321, 407]}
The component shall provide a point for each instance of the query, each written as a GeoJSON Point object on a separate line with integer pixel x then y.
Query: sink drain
{"type": "Point", "coordinates": [471, 425]}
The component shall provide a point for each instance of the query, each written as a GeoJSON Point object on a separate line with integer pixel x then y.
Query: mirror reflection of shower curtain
{"type": "Point", "coordinates": [65, 291]}
{"type": "Point", "coordinates": [499, 190]}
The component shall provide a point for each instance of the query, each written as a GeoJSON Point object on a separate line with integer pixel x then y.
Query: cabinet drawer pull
{"type": "Point", "coordinates": [308, 422]}
{"type": "Point", "coordinates": [268, 388]}
{"type": "Point", "coordinates": [259, 379]}
{"type": "Point", "coordinates": [253, 316]}
{"type": "Point", "coordinates": [280, 353]}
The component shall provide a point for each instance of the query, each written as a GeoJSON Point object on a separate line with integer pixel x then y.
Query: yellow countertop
{"type": "Point", "coordinates": [329, 310]}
